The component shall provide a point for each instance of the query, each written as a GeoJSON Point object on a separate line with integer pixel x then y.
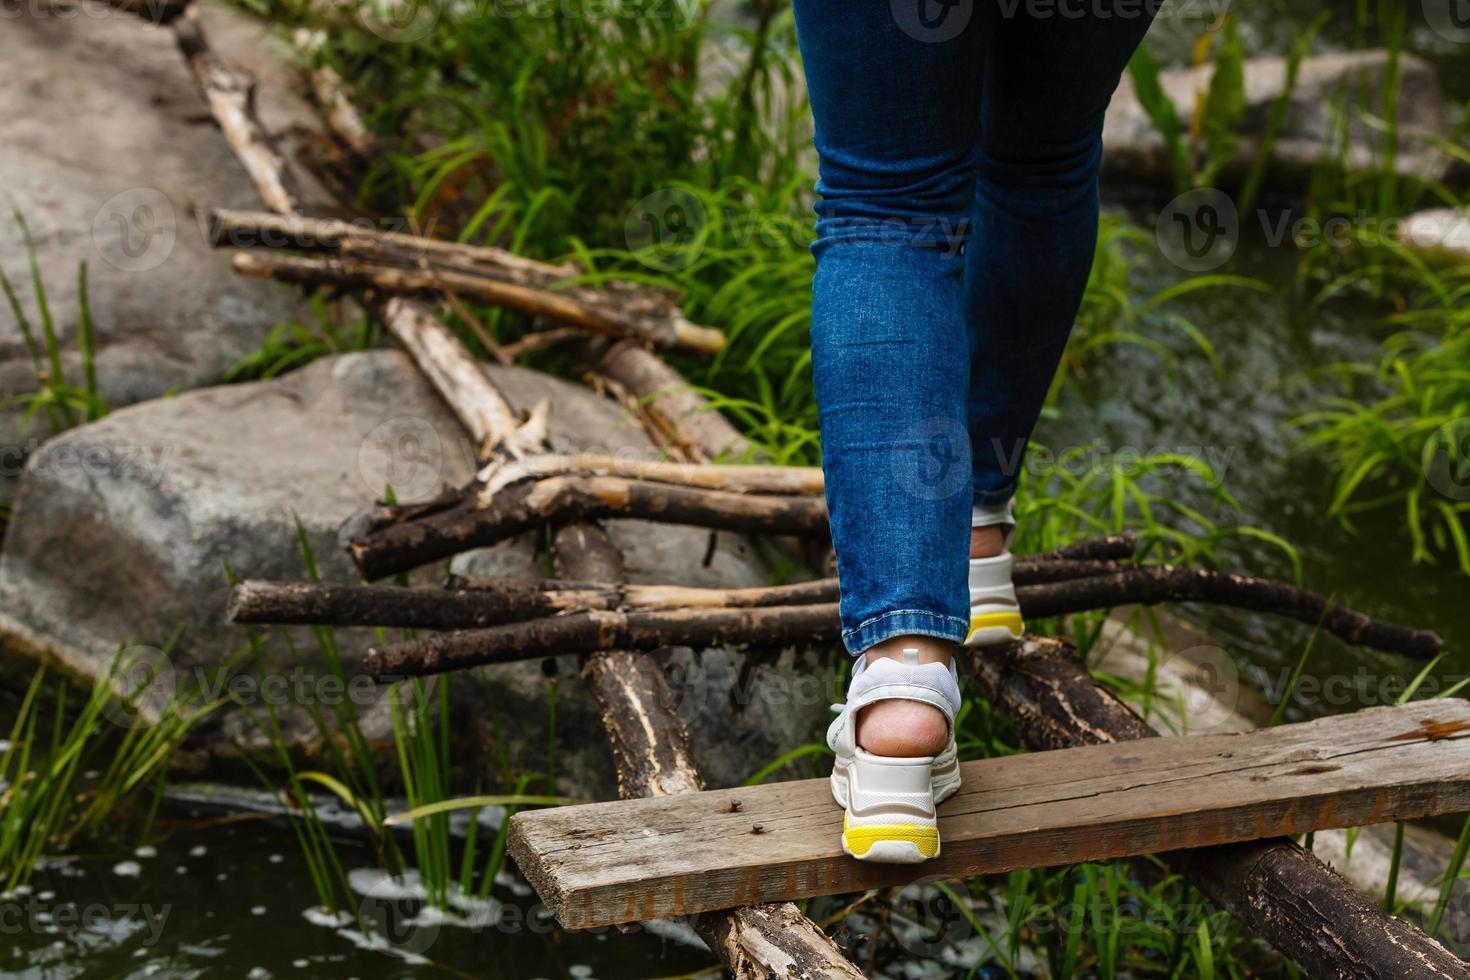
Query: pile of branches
{"type": "Point", "coordinates": [494, 620]}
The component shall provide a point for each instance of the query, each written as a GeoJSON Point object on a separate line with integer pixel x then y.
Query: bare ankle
{"type": "Point", "coordinates": [987, 542]}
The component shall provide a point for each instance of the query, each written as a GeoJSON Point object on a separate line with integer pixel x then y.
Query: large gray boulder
{"type": "Point", "coordinates": [111, 155]}
{"type": "Point", "coordinates": [1326, 89]}
{"type": "Point", "coordinates": [123, 527]}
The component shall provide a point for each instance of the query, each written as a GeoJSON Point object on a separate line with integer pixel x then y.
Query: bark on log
{"type": "Point", "coordinates": [562, 499]}
{"type": "Point", "coordinates": [651, 752]}
{"type": "Point", "coordinates": [1278, 890]}
{"type": "Point", "coordinates": [1150, 584]}
{"type": "Point", "coordinates": [468, 602]}
{"type": "Point", "coordinates": [816, 623]}
{"type": "Point", "coordinates": [330, 93]}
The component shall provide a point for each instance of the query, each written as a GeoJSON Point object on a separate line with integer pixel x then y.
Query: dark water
{"type": "Point", "coordinates": [231, 898]}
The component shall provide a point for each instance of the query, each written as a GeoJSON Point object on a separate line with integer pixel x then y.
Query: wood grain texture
{"type": "Point", "coordinates": [616, 862]}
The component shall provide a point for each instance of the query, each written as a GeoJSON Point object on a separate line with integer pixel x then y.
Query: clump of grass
{"type": "Point", "coordinates": [47, 804]}
{"type": "Point", "coordinates": [1397, 437]}
{"type": "Point", "coordinates": [64, 404]}
{"type": "Point", "coordinates": [293, 343]}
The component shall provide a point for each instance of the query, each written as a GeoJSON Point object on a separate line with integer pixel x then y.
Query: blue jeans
{"type": "Point", "coordinates": [959, 145]}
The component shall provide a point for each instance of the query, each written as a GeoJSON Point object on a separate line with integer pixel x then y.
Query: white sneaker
{"type": "Point", "coordinates": [890, 802]}
{"type": "Point", "coordinates": [995, 615]}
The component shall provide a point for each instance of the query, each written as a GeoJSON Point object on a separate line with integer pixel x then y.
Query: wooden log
{"type": "Point", "coordinates": [1150, 584]}
{"type": "Point", "coordinates": [1278, 890]}
{"type": "Point", "coordinates": [472, 602]}
{"type": "Point", "coordinates": [555, 500]}
{"type": "Point", "coordinates": [230, 95]}
{"type": "Point", "coordinates": [667, 401]}
{"type": "Point", "coordinates": [741, 478]}
{"type": "Point", "coordinates": [651, 753]}
{"type": "Point", "coordinates": [401, 264]}
{"type": "Point", "coordinates": [458, 377]}
{"type": "Point", "coordinates": [786, 625]}
{"type": "Point", "coordinates": [608, 863]}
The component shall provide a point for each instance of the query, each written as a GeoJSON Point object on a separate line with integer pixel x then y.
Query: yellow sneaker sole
{"type": "Point", "coordinates": [996, 627]}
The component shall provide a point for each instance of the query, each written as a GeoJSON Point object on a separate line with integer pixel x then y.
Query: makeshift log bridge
{"type": "Point", "coordinates": [608, 863]}
{"type": "Point", "coordinates": [1281, 892]}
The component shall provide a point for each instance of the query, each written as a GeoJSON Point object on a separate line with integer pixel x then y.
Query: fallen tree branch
{"type": "Point", "coordinates": [556, 500]}
{"type": "Point", "coordinates": [471, 603]}
{"type": "Point", "coordinates": [407, 265]}
{"type": "Point", "coordinates": [709, 476]}
{"type": "Point", "coordinates": [231, 97]}
{"type": "Point", "coordinates": [817, 623]}
{"type": "Point", "coordinates": [1150, 584]}
{"type": "Point", "coordinates": [1279, 891]}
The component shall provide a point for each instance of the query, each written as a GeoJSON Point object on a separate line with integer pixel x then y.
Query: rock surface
{"type": "Point", "coordinates": [111, 155]}
{"type": "Point", "coordinates": [1134, 149]}
{"type": "Point", "coordinates": [122, 529]}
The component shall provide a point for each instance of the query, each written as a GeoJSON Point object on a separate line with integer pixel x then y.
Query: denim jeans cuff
{"type": "Point", "coordinates": [901, 622]}
{"type": "Point", "coordinates": [992, 498]}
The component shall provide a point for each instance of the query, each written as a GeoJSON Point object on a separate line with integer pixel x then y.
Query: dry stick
{"type": "Point", "coordinates": [230, 95]}
{"type": "Point", "coordinates": [759, 943]}
{"type": "Point", "coordinates": [736, 478]}
{"type": "Point", "coordinates": [817, 623]}
{"type": "Point", "coordinates": [667, 400]}
{"type": "Point", "coordinates": [331, 95]}
{"type": "Point", "coordinates": [468, 602]}
{"type": "Point", "coordinates": [443, 533]}
{"type": "Point", "coordinates": [1279, 891]}
{"type": "Point", "coordinates": [407, 265]}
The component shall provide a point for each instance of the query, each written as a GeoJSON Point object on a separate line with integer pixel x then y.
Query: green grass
{"type": "Point", "coordinates": [69, 770]}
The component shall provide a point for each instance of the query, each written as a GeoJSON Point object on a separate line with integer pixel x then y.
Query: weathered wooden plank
{"type": "Point", "coordinates": [608, 863]}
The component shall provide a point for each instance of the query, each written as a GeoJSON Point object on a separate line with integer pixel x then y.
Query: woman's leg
{"type": "Point", "coordinates": [1048, 77]}
{"type": "Point", "coordinates": [897, 110]}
